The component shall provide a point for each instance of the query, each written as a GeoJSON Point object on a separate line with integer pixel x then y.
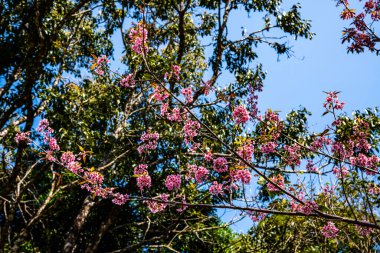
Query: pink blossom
{"type": "Point", "coordinates": [319, 142]}
{"type": "Point", "coordinates": [329, 230]}
{"type": "Point", "coordinates": [240, 115]}
{"type": "Point", "coordinates": [53, 144]}
{"type": "Point", "coordinates": [160, 94]}
{"type": "Point", "coordinates": [99, 71]}
{"type": "Point", "coordinates": [199, 173]}
{"type": "Point", "coordinates": [74, 167]}
{"type": "Point", "coordinates": [375, 190]}
{"type": "Point", "coordinates": [241, 175]}
{"type": "Point", "coordinates": [173, 182]}
{"type": "Point", "coordinates": [188, 92]}
{"type": "Point", "coordinates": [164, 109]}
{"type": "Point", "coordinates": [292, 155]}
{"type": "Point", "coordinates": [216, 189]}
{"type": "Point", "coordinates": [94, 177]}
{"type": "Point", "coordinates": [22, 137]}
{"type": "Point", "coordinates": [119, 199]}
{"type": "Point", "coordinates": [176, 71]}
{"type": "Point", "coordinates": [363, 231]}
{"type": "Point", "coordinates": [191, 129]}
{"type": "Point", "coordinates": [272, 116]}
{"type": "Point", "coordinates": [269, 147]}
{"type": "Point", "coordinates": [176, 115]}
{"type": "Point", "coordinates": [279, 180]}
{"type": "Point", "coordinates": [246, 151]}
{"type": "Point", "coordinates": [220, 164]}
{"type": "Point", "coordinates": [194, 147]}
{"type": "Point", "coordinates": [149, 142]}
{"type": "Point", "coordinates": [67, 157]}
{"type": "Point", "coordinates": [127, 81]}
{"type": "Point", "coordinates": [155, 206]}
{"type": "Point", "coordinates": [98, 190]}
{"type": "Point", "coordinates": [102, 59]}
{"type": "Point", "coordinates": [44, 123]}
{"type": "Point", "coordinates": [332, 101]}
{"type": "Point", "coordinates": [328, 190]}
{"type": "Point", "coordinates": [340, 172]}
{"type": "Point", "coordinates": [138, 37]}
{"type": "Point", "coordinates": [144, 181]}
{"type": "Point", "coordinates": [259, 216]}
{"type": "Point", "coordinates": [141, 169]}
{"type": "Point", "coordinates": [50, 156]}
{"type": "Point", "coordinates": [208, 156]}
{"type": "Point", "coordinates": [310, 167]}
{"type": "Point", "coordinates": [308, 208]}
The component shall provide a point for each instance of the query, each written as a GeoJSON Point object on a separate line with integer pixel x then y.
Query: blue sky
{"type": "Point", "coordinates": [321, 64]}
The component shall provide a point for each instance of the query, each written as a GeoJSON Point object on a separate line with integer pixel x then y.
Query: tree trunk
{"type": "Point", "coordinates": [69, 244]}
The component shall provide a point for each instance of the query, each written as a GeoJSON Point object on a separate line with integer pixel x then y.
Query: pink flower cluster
{"type": "Point", "coordinates": [155, 206]}
{"type": "Point", "coordinates": [339, 150]}
{"type": "Point", "coordinates": [140, 169]}
{"type": "Point", "coordinates": [341, 172]}
{"type": "Point", "coordinates": [188, 93]}
{"type": "Point", "coordinates": [22, 137]}
{"type": "Point", "coordinates": [143, 179]}
{"type": "Point", "coordinates": [160, 94]}
{"type": "Point", "coordinates": [362, 160]}
{"type": "Point", "coordinates": [363, 231]}
{"type": "Point", "coordinates": [330, 230]}
{"type": "Point", "coordinates": [240, 115]}
{"type": "Point", "coordinates": [220, 165]}
{"type": "Point", "coordinates": [307, 209]}
{"type": "Point", "coordinates": [332, 101]}
{"type": "Point", "coordinates": [252, 99]}
{"type": "Point", "coordinates": [310, 167]}
{"type": "Point", "coordinates": [199, 173]}
{"type": "Point", "coordinates": [246, 151]}
{"type": "Point", "coordinates": [101, 63]}
{"type": "Point", "coordinates": [241, 175]}
{"type": "Point", "coordinates": [190, 130]}
{"type": "Point", "coordinates": [328, 190]}
{"type": "Point", "coordinates": [150, 142]}
{"type": "Point", "coordinates": [279, 180]}
{"type": "Point", "coordinates": [176, 70]}
{"type": "Point", "coordinates": [176, 115]}
{"type": "Point", "coordinates": [127, 81]}
{"type": "Point", "coordinates": [94, 177]}
{"type": "Point", "coordinates": [138, 37]}
{"type": "Point", "coordinates": [292, 155]}
{"type": "Point", "coordinates": [361, 34]}
{"type": "Point", "coordinates": [43, 127]}
{"type": "Point", "coordinates": [319, 142]}
{"type": "Point", "coordinates": [69, 162]}
{"type": "Point", "coordinates": [269, 147]}
{"type": "Point", "coordinates": [257, 216]}
{"type": "Point", "coordinates": [216, 189]}
{"type": "Point", "coordinates": [208, 156]}
{"type": "Point", "coordinates": [173, 182]}
{"type": "Point", "coordinates": [276, 126]}
{"type": "Point", "coordinates": [119, 199]}
{"type": "Point", "coordinates": [375, 190]}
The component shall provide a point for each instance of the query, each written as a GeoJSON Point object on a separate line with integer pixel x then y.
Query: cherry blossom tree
{"type": "Point", "coordinates": [165, 144]}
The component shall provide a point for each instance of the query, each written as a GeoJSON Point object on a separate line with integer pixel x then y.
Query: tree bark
{"type": "Point", "coordinates": [69, 244]}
